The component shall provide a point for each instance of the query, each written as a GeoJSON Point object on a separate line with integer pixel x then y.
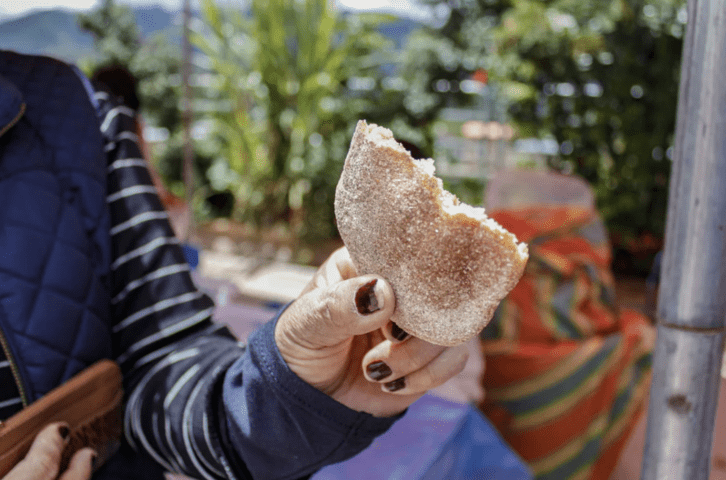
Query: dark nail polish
{"type": "Point", "coordinates": [94, 462]}
{"type": "Point", "coordinates": [365, 298]}
{"type": "Point", "coordinates": [64, 431]}
{"type": "Point", "coordinates": [378, 370]}
{"type": "Point", "coordinates": [395, 385]}
{"type": "Point", "coordinates": [397, 332]}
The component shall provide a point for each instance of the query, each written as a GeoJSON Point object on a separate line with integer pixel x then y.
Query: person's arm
{"type": "Point", "coordinates": [180, 409]}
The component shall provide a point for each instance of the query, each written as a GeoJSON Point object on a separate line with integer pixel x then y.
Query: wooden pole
{"type": "Point", "coordinates": [188, 149]}
{"type": "Point", "coordinates": [692, 299]}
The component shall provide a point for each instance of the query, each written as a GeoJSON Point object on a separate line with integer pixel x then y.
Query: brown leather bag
{"type": "Point", "coordinates": [91, 403]}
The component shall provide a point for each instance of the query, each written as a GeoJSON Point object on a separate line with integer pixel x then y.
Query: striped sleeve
{"type": "Point", "coordinates": [173, 357]}
{"type": "Point", "coordinates": [198, 402]}
{"type": "Point", "coordinates": [10, 399]}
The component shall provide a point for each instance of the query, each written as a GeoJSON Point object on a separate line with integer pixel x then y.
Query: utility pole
{"type": "Point", "coordinates": [692, 299]}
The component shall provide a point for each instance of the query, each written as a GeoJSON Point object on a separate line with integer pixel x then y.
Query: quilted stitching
{"type": "Point", "coordinates": [54, 258]}
{"type": "Point", "coordinates": [11, 104]}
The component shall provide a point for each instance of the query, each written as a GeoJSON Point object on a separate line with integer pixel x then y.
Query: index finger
{"type": "Point", "coordinates": [81, 465]}
{"type": "Point", "coordinates": [336, 268]}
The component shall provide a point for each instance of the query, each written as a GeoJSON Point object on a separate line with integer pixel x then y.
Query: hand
{"type": "Point", "coordinates": [43, 459]}
{"type": "Point", "coordinates": [337, 337]}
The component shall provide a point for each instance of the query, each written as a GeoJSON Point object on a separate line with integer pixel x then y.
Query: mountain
{"type": "Point", "coordinates": [56, 32]}
{"type": "Point", "coordinates": [153, 19]}
{"type": "Point", "coordinates": [50, 32]}
{"type": "Point", "coordinates": [399, 30]}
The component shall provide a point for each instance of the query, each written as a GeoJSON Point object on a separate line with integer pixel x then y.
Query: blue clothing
{"type": "Point", "coordinates": [288, 406]}
{"type": "Point", "coordinates": [55, 246]}
{"type": "Point", "coordinates": [90, 269]}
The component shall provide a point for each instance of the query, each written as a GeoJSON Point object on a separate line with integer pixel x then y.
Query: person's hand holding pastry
{"type": "Point", "coordinates": [337, 336]}
{"type": "Point", "coordinates": [386, 318]}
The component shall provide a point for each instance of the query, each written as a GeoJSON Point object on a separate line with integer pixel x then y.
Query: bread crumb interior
{"type": "Point", "coordinates": [449, 202]}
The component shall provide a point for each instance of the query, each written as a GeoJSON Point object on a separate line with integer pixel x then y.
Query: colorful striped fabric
{"type": "Point", "coordinates": [566, 372]}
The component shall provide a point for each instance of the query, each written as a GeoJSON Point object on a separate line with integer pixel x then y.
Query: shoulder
{"type": "Point", "coordinates": [42, 77]}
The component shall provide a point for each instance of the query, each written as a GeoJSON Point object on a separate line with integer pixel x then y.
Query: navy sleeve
{"type": "Point", "coordinates": [315, 429]}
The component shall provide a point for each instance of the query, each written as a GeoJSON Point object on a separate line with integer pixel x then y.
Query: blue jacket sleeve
{"type": "Point", "coordinates": [294, 429]}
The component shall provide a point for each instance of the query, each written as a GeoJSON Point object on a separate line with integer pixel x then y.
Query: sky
{"type": "Point", "coordinates": [13, 8]}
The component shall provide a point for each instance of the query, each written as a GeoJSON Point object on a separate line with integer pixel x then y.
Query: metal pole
{"type": "Point", "coordinates": [692, 299]}
{"type": "Point", "coordinates": [188, 149]}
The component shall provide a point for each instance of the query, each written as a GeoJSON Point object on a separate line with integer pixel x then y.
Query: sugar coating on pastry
{"type": "Point", "coordinates": [448, 263]}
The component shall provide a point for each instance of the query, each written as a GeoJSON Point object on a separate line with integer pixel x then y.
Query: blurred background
{"type": "Point", "coordinates": [578, 86]}
{"type": "Point", "coordinates": [248, 167]}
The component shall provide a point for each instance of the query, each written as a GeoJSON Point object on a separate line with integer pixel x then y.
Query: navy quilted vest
{"type": "Point", "coordinates": [54, 223]}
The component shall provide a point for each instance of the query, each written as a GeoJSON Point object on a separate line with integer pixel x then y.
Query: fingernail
{"type": "Point", "coordinates": [366, 300]}
{"type": "Point", "coordinates": [395, 385]}
{"type": "Point", "coordinates": [64, 431]}
{"type": "Point", "coordinates": [378, 370]}
{"type": "Point", "coordinates": [94, 461]}
{"type": "Point", "coordinates": [397, 332]}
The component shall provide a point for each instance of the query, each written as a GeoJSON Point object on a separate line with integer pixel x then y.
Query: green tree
{"type": "Point", "coordinates": [279, 94]}
{"type": "Point", "coordinates": [115, 32]}
{"type": "Point", "coordinates": [155, 62]}
{"type": "Point", "coordinates": [600, 77]}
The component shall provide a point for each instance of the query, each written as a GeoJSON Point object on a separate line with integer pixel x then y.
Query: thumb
{"type": "Point", "coordinates": [43, 459]}
{"type": "Point", "coordinates": [329, 315]}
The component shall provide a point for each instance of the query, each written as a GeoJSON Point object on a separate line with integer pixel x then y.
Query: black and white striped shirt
{"type": "Point", "coordinates": [263, 422]}
{"type": "Point", "coordinates": [171, 353]}
{"type": "Point", "coordinates": [11, 401]}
